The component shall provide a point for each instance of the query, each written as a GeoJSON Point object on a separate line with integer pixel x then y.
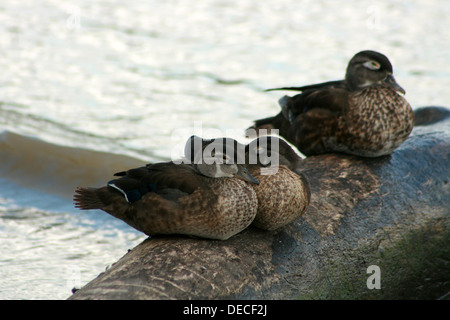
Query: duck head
{"type": "Point", "coordinates": [271, 151]}
{"type": "Point", "coordinates": [368, 68]}
{"type": "Point", "coordinates": [218, 158]}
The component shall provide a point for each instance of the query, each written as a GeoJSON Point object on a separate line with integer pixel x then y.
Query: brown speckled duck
{"type": "Point", "coordinates": [211, 197]}
{"type": "Point", "coordinates": [283, 192]}
{"type": "Point", "coordinates": [365, 114]}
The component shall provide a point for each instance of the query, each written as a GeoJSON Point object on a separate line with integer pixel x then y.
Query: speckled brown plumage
{"type": "Point", "coordinates": [175, 199]}
{"type": "Point", "coordinates": [283, 195]}
{"type": "Point", "coordinates": [225, 208]}
{"type": "Point", "coordinates": [364, 115]}
{"type": "Point", "coordinates": [282, 198]}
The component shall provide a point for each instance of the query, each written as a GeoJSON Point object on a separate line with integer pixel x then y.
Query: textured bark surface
{"type": "Point", "coordinates": [392, 212]}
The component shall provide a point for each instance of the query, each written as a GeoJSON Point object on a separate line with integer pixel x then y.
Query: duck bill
{"type": "Point", "coordinates": [390, 81]}
{"type": "Point", "coordinates": [245, 175]}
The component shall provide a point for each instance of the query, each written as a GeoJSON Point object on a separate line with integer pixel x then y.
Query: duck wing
{"type": "Point", "coordinates": [319, 95]}
{"type": "Point", "coordinates": [331, 99]}
{"type": "Point", "coordinates": [163, 178]}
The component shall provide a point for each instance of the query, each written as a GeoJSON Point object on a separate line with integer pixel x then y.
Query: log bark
{"type": "Point", "coordinates": [390, 212]}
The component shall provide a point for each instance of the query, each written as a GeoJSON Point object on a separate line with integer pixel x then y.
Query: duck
{"type": "Point", "coordinates": [211, 197]}
{"type": "Point", "coordinates": [366, 114]}
{"type": "Point", "coordinates": [283, 192]}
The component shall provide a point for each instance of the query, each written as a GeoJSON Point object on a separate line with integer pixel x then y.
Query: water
{"type": "Point", "coordinates": [137, 79]}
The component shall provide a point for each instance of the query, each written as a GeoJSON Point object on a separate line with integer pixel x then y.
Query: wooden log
{"type": "Point", "coordinates": [375, 229]}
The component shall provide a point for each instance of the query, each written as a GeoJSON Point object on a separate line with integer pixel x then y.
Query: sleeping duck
{"type": "Point", "coordinates": [283, 191]}
{"type": "Point", "coordinates": [210, 197]}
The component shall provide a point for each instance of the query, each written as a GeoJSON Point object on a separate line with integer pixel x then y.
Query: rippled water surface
{"type": "Point", "coordinates": [137, 79]}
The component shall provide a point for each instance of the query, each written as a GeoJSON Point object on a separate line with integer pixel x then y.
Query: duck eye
{"type": "Point", "coordinates": [372, 65]}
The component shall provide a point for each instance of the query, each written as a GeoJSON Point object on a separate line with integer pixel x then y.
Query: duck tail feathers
{"type": "Point", "coordinates": [87, 198]}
